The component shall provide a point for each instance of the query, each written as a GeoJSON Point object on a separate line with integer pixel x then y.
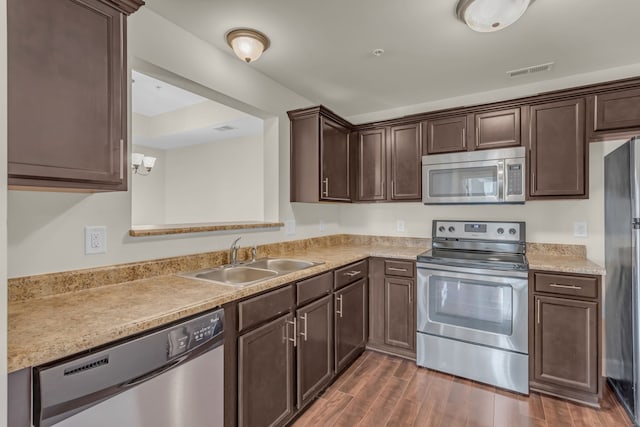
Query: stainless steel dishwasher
{"type": "Point", "coordinates": [172, 377]}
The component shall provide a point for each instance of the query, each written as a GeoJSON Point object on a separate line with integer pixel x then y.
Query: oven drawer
{"type": "Point", "coordinates": [350, 273]}
{"type": "Point", "coordinates": [399, 268]}
{"type": "Point", "coordinates": [564, 284]}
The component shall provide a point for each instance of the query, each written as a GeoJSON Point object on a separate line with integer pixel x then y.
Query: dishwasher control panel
{"type": "Point", "coordinates": [194, 333]}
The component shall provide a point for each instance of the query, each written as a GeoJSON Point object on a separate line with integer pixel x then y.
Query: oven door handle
{"type": "Point", "coordinates": [468, 272]}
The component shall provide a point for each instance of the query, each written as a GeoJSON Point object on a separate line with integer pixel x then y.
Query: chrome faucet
{"type": "Point", "coordinates": [233, 252]}
{"type": "Point", "coordinates": [254, 253]}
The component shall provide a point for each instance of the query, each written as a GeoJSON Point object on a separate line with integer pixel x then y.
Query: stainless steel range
{"type": "Point", "coordinates": [472, 303]}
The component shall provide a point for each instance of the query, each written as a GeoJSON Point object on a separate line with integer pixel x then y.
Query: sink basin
{"type": "Point", "coordinates": [282, 265]}
{"type": "Point", "coordinates": [250, 272]}
{"type": "Point", "coordinates": [237, 275]}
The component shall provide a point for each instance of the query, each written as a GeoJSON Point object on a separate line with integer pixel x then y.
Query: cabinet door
{"type": "Point", "coordinates": [617, 110]}
{"type": "Point", "coordinates": [406, 162]}
{"type": "Point", "coordinates": [566, 343]}
{"type": "Point", "coordinates": [558, 156]}
{"type": "Point", "coordinates": [399, 313]}
{"type": "Point", "coordinates": [66, 95]}
{"type": "Point", "coordinates": [315, 348]}
{"type": "Point", "coordinates": [372, 165]}
{"type": "Point", "coordinates": [350, 321]}
{"type": "Point", "coordinates": [497, 129]}
{"type": "Point", "coordinates": [447, 135]}
{"type": "Point", "coordinates": [334, 154]}
{"type": "Point", "coordinates": [265, 374]}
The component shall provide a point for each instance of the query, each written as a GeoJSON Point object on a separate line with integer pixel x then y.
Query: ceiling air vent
{"type": "Point", "coordinates": [531, 70]}
{"type": "Point", "coordinates": [224, 128]}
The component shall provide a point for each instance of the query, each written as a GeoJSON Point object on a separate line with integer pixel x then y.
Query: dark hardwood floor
{"type": "Point", "coordinates": [381, 390]}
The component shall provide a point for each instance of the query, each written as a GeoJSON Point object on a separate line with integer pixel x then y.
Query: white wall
{"type": "Point", "coordinates": [213, 182]}
{"type": "Point", "coordinates": [46, 229]}
{"type": "Point", "coordinates": [3, 210]}
{"type": "Point", "coordinates": [148, 200]}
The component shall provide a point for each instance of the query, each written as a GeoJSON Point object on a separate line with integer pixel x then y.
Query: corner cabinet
{"type": "Point", "coordinates": [67, 94]}
{"type": "Point", "coordinates": [566, 354]}
{"type": "Point", "coordinates": [558, 155]}
{"type": "Point", "coordinates": [320, 161]}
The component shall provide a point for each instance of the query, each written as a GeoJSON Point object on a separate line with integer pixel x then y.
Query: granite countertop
{"type": "Point", "coordinates": [48, 328]}
{"type": "Point", "coordinates": [564, 264]}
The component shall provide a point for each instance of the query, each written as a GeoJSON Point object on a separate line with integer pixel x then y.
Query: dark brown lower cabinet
{"type": "Point", "coordinates": [399, 313]}
{"type": "Point", "coordinates": [315, 348]}
{"type": "Point", "coordinates": [351, 322]}
{"type": "Point", "coordinates": [265, 374]}
{"type": "Point", "coordinates": [565, 336]}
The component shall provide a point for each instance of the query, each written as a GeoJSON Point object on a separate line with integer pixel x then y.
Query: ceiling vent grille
{"type": "Point", "coordinates": [530, 70]}
{"type": "Point", "coordinates": [224, 128]}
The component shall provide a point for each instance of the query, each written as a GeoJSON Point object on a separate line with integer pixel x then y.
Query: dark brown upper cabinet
{"type": "Point", "coordinates": [67, 94]}
{"type": "Point", "coordinates": [372, 165]}
{"type": "Point", "coordinates": [389, 163]}
{"type": "Point", "coordinates": [497, 129]}
{"type": "Point", "coordinates": [405, 150]}
{"type": "Point", "coordinates": [558, 158]}
{"type": "Point", "coordinates": [320, 161]}
{"type": "Point", "coordinates": [616, 112]}
{"type": "Point", "coordinates": [445, 135]}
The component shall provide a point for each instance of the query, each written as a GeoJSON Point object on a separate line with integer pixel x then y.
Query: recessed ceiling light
{"type": "Point", "coordinates": [247, 44]}
{"type": "Point", "coordinates": [491, 15]}
{"type": "Point", "coordinates": [377, 52]}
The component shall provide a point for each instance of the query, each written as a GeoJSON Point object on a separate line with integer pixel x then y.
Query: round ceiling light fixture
{"type": "Point", "coordinates": [486, 16]}
{"type": "Point", "coordinates": [247, 44]}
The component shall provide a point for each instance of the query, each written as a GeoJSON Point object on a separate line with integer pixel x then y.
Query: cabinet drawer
{"type": "Point", "coordinates": [580, 286]}
{"type": "Point", "coordinates": [350, 273]}
{"type": "Point", "coordinates": [399, 268]}
{"type": "Point", "coordinates": [264, 307]}
{"type": "Point", "coordinates": [315, 287]}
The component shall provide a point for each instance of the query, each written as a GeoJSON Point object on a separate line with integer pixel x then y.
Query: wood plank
{"type": "Point", "coordinates": [480, 407]}
{"type": "Point", "coordinates": [404, 413]}
{"type": "Point", "coordinates": [406, 370]}
{"type": "Point", "coordinates": [583, 416]}
{"type": "Point", "coordinates": [381, 409]}
{"type": "Point", "coordinates": [556, 411]}
{"type": "Point", "coordinates": [418, 386]}
{"type": "Point", "coordinates": [431, 412]}
{"type": "Point", "coordinates": [326, 411]}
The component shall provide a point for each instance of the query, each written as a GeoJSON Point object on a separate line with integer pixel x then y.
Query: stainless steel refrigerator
{"type": "Point", "coordinates": [622, 256]}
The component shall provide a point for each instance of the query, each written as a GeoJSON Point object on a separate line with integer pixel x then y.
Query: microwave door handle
{"type": "Point", "coordinates": [502, 180]}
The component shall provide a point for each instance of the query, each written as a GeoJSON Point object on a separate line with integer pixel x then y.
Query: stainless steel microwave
{"type": "Point", "coordinates": [487, 176]}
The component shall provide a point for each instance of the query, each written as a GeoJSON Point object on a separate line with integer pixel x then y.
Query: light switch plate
{"type": "Point", "coordinates": [580, 229]}
{"type": "Point", "coordinates": [290, 227]}
{"type": "Point", "coordinates": [400, 226]}
{"type": "Point", "coordinates": [95, 240]}
{"type": "Point", "coordinates": [322, 226]}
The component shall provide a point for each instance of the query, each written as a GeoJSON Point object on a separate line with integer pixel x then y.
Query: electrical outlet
{"type": "Point", "coordinates": [95, 240]}
{"type": "Point", "coordinates": [400, 226]}
{"type": "Point", "coordinates": [290, 227]}
{"type": "Point", "coordinates": [580, 229]}
{"type": "Point", "coordinates": [322, 226]}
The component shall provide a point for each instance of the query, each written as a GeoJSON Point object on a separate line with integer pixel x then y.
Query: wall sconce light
{"type": "Point", "coordinates": [139, 159]}
{"type": "Point", "coordinates": [486, 16]}
{"type": "Point", "coordinates": [247, 44]}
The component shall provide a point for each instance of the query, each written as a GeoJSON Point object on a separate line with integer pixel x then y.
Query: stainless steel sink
{"type": "Point", "coordinates": [250, 272]}
{"type": "Point", "coordinates": [237, 275]}
{"type": "Point", "coordinates": [282, 265]}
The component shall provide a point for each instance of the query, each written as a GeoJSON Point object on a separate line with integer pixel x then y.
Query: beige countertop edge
{"type": "Point", "coordinates": [161, 230]}
{"type": "Point", "coordinates": [26, 352]}
{"type": "Point", "coordinates": [565, 264]}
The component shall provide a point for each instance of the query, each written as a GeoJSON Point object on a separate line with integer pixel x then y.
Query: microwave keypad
{"type": "Point", "coordinates": [514, 180]}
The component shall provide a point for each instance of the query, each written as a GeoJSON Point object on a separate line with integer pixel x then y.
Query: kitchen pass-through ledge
{"type": "Point", "coordinates": [160, 230]}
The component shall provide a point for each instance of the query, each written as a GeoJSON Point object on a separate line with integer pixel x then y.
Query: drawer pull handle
{"type": "Point", "coordinates": [339, 300]}
{"type": "Point", "coordinates": [352, 273]}
{"type": "Point", "coordinates": [295, 333]}
{"type": "Point", "coordinates": [404, 270]}
{"type": "Point", "coordinates": [325, 191]}
{"type": "Point", "coordinates": [538, 312]}
{"type": "Point", "coordinates": [557, 285]}
{"type": "Point", "coordinates": [304, 334]}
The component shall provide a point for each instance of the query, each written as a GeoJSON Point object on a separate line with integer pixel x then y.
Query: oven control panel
{"type": "Point", "coordinates": [479, 230]}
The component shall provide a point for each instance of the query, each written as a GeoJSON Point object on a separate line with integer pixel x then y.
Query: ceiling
{"type": "Point", "coordinates": [152, 97]}
{"type": "Point", "coordinates": [322, 49]}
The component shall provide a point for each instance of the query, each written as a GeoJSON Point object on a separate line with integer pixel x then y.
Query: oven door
{"type": "Point", "coordinates": [468, 182]}
{"type": "Point", "coordinates": [484, 307]}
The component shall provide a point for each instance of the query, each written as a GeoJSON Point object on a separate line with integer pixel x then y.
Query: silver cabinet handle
{"type": "Point", "coordinates": [352, 273]}
{"type": "Point", "coordinates": [557, 285]}
{"type": "Point", "coordinates": [410, 294]}
{"type": "Point", "coordinates": [538, 312]}
{"type": "Point", "coordinates": [397, 269]}
{"type": "Point", "coordinates": [339, 300]}
{"type": "Point", "coordinates": [393, 188]}
{"type": "Point", "coordinates": [295, 333]}
{"type": "Point", "coordinates": [464, 137]}
{"type": "Point", "coordinates": [304, 334]}
{"type": "Point", "coordinates": [325, 183]}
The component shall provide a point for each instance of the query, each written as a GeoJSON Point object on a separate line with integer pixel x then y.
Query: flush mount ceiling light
{"type": "Point", "coordinates": [491, 15]}
{"type": "Point", "coordinates": [247, 44]}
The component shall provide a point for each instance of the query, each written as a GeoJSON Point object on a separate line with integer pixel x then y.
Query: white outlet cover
{"type": "Point", "coordinates": [323, 225]}
{"type": "Point", "coordinates": [95, 240]}
{"type": "Point", "coordinates": [580, 229]}
{"type": "Point", "coordinates": [290, 227]}
{"type": "Point", "coordinates": [400, 226]}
